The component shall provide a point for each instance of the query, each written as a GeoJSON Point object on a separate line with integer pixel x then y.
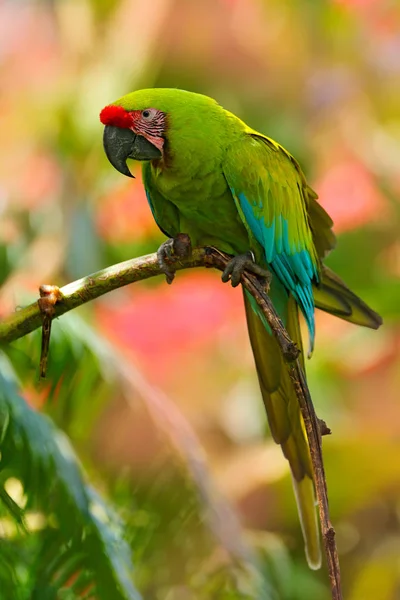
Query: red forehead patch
{"type": "Point", "coordinates": [116, 115]}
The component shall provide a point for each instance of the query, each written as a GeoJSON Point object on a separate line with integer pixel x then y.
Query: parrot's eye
{"type": "Point", "coordinates": [148, 114]}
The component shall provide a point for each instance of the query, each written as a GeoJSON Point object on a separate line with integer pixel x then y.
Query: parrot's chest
{"type": "Point", "coordinates": [206, 209]}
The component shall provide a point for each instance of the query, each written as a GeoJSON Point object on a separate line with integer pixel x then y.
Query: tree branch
{"type": "Point", "coordinates": [27, 319]}
{"type": "Point", "coordinates": [75, 294]}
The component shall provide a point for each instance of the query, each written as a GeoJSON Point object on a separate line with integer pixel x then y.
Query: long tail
{"type": "Point", "coordinates": [333, 296]}
{"type": "Point", "coordinates": [284, 416]}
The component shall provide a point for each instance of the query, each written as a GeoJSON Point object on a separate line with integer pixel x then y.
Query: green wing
{"type": "Point", "coordinates": [165, 213]}
{"type": "Point", "coordinates": [271, 195]}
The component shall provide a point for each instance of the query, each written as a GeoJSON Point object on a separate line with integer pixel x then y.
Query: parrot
{"type": "Point", "coordinates": [208, 174]}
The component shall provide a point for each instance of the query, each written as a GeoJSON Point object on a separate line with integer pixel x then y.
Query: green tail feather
{"type": "Point", "coordinates": [333, 296]}
{"type": "Point", "coordinates": [305, 497]}
{"type": "Point", "coordinates": [284, 416]}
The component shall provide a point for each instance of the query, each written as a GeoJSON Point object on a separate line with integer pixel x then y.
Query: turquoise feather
{"type": "Point", "coordinates": [292, 265]}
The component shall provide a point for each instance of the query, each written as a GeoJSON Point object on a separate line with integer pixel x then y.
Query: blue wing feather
{"type": "Point", "coordinates": [294, 267]}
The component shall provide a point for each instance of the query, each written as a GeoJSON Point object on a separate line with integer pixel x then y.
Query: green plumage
{"type": "Point", "coordinates": [229, 186]}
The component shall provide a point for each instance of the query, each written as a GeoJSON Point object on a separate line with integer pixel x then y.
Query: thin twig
{"type": "Point", "coordinates": [315, 428]}
{"type": "Point", "coordinates": [49, 296]}
{"type": "Point", "coordinates": [88, 288]}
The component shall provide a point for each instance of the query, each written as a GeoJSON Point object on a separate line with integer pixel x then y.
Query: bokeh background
{"type": "Point", "coordinates": [154, 384]}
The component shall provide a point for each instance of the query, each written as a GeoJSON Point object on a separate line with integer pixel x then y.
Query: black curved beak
{"type": "Point", "coordinates": [121, 144]}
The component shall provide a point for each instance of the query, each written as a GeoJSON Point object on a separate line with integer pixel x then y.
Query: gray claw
{"type": "Point", "coordinates": [171, 251]}
{"type": "Point", "coordinates": [164, 256]}
{"type": "Point", "coordinates": [243, 262]}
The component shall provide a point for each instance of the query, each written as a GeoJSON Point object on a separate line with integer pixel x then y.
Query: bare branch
{"type": "Point", "coordinates": [88, 288]}
{"type": "Point", "coordinates": [27, 319]}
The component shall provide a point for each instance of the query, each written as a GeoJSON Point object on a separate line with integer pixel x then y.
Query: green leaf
{"type": "Point", "coordinates": [78, 522]}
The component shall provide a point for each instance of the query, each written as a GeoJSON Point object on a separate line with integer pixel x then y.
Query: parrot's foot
{"type": "Point", "coordinates": [171, 251]}
{"type": "Point", "coordinates": [244, 262]}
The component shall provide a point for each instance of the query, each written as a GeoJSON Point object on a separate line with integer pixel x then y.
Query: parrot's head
{"type": "Point", "coordinates": [149, 124]}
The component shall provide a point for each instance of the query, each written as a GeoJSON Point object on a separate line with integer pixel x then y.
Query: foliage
{"type": "Point", "coordinates": [80, 544]}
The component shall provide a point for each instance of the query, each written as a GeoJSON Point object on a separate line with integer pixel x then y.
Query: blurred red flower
{"type": "Point", "coordinates": [350, 195]}
{"type": "Point", "coordinates": [162, 323]}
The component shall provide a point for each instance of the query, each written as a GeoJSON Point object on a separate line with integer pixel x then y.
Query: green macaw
{"type": "Point", "coordinates": [207, 174]}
